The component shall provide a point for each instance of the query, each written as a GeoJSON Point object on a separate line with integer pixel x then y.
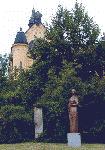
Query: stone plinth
{"type": "Point", "coordinates": [74, 139]}
{"type": "Point", "coordinates": [38, 120]}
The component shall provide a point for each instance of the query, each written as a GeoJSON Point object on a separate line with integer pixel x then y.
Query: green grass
{"type": "Point", "coordinates": [49, 146]}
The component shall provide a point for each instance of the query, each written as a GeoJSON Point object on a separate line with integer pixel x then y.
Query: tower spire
{"type": "Point", "coordinates": [20, 37]}
{"type": "Point", "coordinates": [35, 18]}
{"type": "Point", "coordinates": [20, 28]}
{"type": "Point", "coordinates": [33, 12]}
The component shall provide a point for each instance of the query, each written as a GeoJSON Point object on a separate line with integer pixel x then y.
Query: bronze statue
{"type": "Point", "coordinates": [73, 114]}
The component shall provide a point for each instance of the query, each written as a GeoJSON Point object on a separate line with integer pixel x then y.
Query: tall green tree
{"type": "Point", "coordinates": [3, 70]}
{"type": "Point", "coordinates": [100, 58]}
{"type": "Point", "coordinates": [72, 36]}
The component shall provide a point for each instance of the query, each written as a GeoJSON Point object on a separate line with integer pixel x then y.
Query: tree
{"type": "Point", "coordinates": [55, 100]}
{"type": "Point", "coordinates": [3, 65]}
{"type": "Point", "coordinates": [100, 58]}
{"type": "Point", "coordinates": [72, 36]}
{"type": "Point", "coordinates": [3, 70]}
{"type": "Point", "coordinates": [64, 59]}
{"type": "Point", "coordinates": [16, 124]}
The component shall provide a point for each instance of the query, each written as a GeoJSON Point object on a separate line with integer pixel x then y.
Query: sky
{"type": "Point", "coordinates": [16, 13]}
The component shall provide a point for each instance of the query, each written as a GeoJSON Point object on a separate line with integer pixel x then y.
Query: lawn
{"type": "Point", "coordinates": [49, 146]}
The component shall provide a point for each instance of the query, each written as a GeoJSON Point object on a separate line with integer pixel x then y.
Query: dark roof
{"type": "Point", "coordinates": [20, 37]}
{"type": "Point", "coordinates": [35, 18]}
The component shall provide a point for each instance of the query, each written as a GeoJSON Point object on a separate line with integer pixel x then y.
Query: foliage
{"type": "Point", "coordinates": [69, 56]}
{"type": "Point", "coordinates": [16, 124]}
{"type": "Point", "coordinates": [66, 59]}
{"type": "Point", "coordinates": [3, 65]}
{"type": "Point", "coordinates": [3, 70]}
{"type": "Point", "coordinates": [72, 36]}
{"type": "Point", "coordinates": [55, 101]}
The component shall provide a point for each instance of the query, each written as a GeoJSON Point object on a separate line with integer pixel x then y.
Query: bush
{"type": "Point", "coordinates": [16, 125]}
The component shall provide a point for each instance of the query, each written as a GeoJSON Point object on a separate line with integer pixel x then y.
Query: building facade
{"type": "Point", "coordinates": [19, 57]}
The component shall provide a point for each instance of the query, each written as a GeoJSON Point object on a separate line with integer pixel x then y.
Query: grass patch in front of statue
{"type": "Point", "coordinates": [49, 146]}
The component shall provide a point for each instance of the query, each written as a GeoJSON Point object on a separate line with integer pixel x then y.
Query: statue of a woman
{"type": "Point", "coordinates": [73, 114]}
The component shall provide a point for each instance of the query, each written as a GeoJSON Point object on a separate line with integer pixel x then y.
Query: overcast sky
{"type": "Point", "coordinates": [16, 13]}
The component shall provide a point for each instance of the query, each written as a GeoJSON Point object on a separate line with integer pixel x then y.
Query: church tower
{"type": "Point", "coordinates": [19, 57]}
{"type": "Point", "coordinates": [19, 52]}
{"type": "Point", "coordinates": [36, 28]}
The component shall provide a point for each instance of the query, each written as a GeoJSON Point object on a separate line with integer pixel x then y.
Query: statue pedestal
{"type": "Point", "coordinates": [74, 139]}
